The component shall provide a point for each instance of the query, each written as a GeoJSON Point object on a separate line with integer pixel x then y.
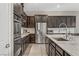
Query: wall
{"type": "Point", "coordinates": [6, 29]}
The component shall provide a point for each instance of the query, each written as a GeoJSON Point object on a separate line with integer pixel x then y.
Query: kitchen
{"type": "Point", "coordinates": [41, 29]}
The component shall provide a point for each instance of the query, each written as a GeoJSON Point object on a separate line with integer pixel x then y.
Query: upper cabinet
{"type": "Point", "coordinates": [71, 21]}
{"type": "Point", "coordinates": [24, 20]}
{"type": "Point", "coordinates": [17, 9]}
{"type": "Point", "coordinates": [51, 22]}
{"type": "Point", "coordinates": [30, 21]}
{"type": "Point", "coordinates": [41, 18]}
{"type": "Point", "coordinates": [55, 21]}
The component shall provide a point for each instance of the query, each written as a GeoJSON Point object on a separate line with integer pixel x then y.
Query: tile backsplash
{"type": "Point", "coordinates": [61, 30]}
{"type": "Point", "coordinates": [24, 30]}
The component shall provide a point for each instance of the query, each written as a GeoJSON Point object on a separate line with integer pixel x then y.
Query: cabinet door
{"type": "Point", "coordinates": [32, 38]}
{"type": "Point", "coordinates": [61, 19]}
{"type": "Point", "coordinates": [73, 21]}
{"type": "Point", "coordinates": [59, 50]}
{"type": "Point", "coordinates": [44, 18]}
{"type": "Point", "coordinates": [58, 54]}
{"type": "Point", "coordinates": [32, 22]}
{"type": "Point", "coordinates": [68, 21]}
{"type": "Point", "coordinates": [51, 22]}
{"type": "Point", "coordinates": [47, 45]}
{"type": "Point", "coordinates": [18, 9]}
{"type": "Point", "coordinates": [38, 18]}
{"type": "Point", "coordinates": [24, 21]}
{"type": "Point", "coordinates": [41, 18]}
{"type": "Point", "coordinates": [52, 50]}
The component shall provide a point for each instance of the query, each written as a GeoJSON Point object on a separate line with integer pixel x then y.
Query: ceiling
{"type": "Point", "coordinates": [37, 7]}
{"type": "Point", "coordinates": [51, 6]}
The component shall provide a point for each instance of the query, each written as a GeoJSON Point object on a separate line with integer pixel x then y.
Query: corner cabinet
{"type": "Point", "coordinates": [30, 22]}
{"type": "Point", "coordinates": [53, 49]}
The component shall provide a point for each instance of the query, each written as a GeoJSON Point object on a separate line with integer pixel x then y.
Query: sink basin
{"type": "Point", "coordinates": [60, 39]}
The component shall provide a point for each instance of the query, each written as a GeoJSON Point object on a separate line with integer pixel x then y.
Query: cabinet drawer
{"type": "Point", "coordinates": [58, 54]}
{"type": "Point", "coordinates": [52, 43]}
{"type": "Point", "coordinates": [52, 50]}
{"type": "Point", "coordinates": [59, 50]}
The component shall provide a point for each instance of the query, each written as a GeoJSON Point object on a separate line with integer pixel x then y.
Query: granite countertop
{"type": "Point", "coordinates": [74, 34]}
{"type": "Point", "coordinates": [71, 46]}
{"type": "Point", "coordinates": [26, 34]}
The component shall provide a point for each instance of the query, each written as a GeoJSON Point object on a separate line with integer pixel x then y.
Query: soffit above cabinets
{"type": "Point", "coordinates": [45, 7]}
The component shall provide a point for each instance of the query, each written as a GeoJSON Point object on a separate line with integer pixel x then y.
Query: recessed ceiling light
{"type": "Point", "coordinates": [58, 6]}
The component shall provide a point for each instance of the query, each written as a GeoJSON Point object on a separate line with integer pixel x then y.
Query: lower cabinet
{"type": "Point", "coordinates": [25, 43]}
{"type": "Point", "coordinates": [32, 38]}
{"type": "Point", "coordinates": [59, 51]}
{"type": "Point", "coordinates": [47, 45]}
{"type": "Point", "coordinates": [53, 49]}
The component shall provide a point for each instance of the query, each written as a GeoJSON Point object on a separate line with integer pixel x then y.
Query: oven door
{"type": "Point", "coordinates": [17, 46]}
{"type": "Point", "coordinates": [17, 29]}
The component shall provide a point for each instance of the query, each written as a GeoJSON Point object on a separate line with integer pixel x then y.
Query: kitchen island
{"type": "Point", "coordinates": [62, 48]}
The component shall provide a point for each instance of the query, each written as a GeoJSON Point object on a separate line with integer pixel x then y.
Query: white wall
{"type": "Point", "coordinates": [6, 28]}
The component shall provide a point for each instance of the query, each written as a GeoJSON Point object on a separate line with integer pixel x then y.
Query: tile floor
{"type": "Point", "coordinates": [35, 50]}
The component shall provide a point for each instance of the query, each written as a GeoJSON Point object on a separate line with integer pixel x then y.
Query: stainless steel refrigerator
{"type": "Point", "coordinates": [40, 32]}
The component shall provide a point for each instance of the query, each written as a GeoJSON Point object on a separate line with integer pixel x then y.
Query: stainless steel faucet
{"type": "Point", "coordinates": [65, 29]}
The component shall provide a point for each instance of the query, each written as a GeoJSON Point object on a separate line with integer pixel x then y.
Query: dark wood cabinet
{"type": "Point", "coordinates": [24, 20]}
{"type": "Point", "coordinates": [59, 51]}
{"type": "Point", "coordinates": [41, 18]}
{"type": "Point", "coordinates": [17, 9]}
{"type": "Point", "coordinates": [53, 49]}
{"type": "Point", "coordinates": [55, 21]}
{"type": "Point", "coordinates": [51, 22]}
{"type": "Point", "coordinates": [30, 22]}
{"type": "Point", "coordinates": [25, 43]}
{"type": "Point", "coordinates": [32, 38]}
{"type": "Point", "coordinates": [71, 21]}
{"type": "Point", "coordinates": [59, 20]}
{"type": "Point", "coordinates": [47, 45]}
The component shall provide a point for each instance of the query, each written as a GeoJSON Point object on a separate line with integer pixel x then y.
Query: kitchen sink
{"type": "Point", "coordinates": [60, 39]}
